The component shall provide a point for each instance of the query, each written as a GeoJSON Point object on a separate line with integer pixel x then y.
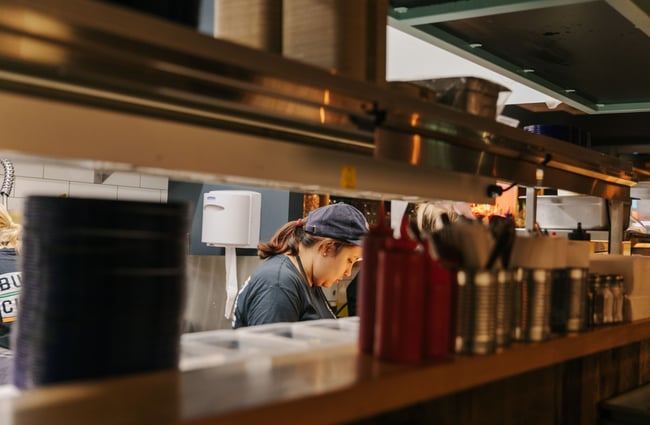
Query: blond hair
{"type": "Point", "coordinates": [10, 232]}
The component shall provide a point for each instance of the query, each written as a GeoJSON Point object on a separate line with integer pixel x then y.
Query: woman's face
{"type": "Point", "coordinates": [330, 267]}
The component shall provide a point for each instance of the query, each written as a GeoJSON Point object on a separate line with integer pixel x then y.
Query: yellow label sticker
{"type": "Point", "coordinates": [348, 177]}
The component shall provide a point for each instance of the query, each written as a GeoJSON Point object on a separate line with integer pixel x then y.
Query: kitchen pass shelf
{"type": "Point", "coordinates": [331, 385]}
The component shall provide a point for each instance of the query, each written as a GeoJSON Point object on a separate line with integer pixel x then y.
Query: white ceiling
{"type": "Point", "coordinates": [409, 58]}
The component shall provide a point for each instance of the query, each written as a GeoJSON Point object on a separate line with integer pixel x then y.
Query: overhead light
{"type": "Point", "coordinates": [552, 103]}
{"type": "Point", "coordinates": [569, 90]}
{"type": "Point", "coordinates": [475, 45]}
{"type": "Point", "coordinates": [401, 9]}
{"type": "Point", "coordinates": [527, 70]}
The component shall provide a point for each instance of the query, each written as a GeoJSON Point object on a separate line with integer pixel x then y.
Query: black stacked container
{"type": "Point", "coordinates": [103, 289]}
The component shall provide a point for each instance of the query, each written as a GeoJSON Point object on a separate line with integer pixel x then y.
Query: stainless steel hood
{"type": "Point", "coordinates": [80, 53]}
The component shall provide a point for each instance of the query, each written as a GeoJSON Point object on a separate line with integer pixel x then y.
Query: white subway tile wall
{"type": "Point", "coordinates": [121, 178]}
{"type": "Point", "coordinates": [33, 178]}
{"type": "Point", "coordinates": [57, 172]}
{"type": "Point", "coordinates": [25, 186]}
{"type": "Point", "coordinates": [137, 194]}
{"type": "Point", "coordinates": [89, 190]}
{"type": "Point", "coordinates": [28, 169]}
{"type": "Point", "coordinates": [16, 206]}
{"type": "Point", "coordinates": [153, 182]}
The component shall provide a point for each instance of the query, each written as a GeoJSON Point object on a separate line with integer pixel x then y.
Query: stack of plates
{"type": "Point", "coordinates": [103, 289]}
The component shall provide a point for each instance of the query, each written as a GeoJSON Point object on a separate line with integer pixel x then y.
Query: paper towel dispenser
{"type": "Point", "coordinates": [231, 218]}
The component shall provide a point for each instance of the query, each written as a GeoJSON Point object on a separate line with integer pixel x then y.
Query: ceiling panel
{"type": "Point", "coordinates": [593, 55]}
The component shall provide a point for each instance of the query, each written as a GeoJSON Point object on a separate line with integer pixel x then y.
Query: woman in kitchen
{"type": "Point", "coordinates": [303, 256]}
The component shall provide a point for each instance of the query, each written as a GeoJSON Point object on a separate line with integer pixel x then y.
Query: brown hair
{"type": "Point", "coordinates": [289, 238]}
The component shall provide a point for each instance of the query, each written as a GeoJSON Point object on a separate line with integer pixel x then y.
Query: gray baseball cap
{"type": "Point", "coordinates": [337, 221]}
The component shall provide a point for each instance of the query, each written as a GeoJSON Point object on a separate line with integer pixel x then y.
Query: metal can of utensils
{"type": "Point", "coordinates": [504, 307]}
{"type": "Point", "coordinates": [532, 308]}
{"type": "Point", "coordinates": [476, 312]}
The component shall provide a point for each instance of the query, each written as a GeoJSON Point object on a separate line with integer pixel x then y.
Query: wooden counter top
{"type": "Point", "coordinates": [330, 386]}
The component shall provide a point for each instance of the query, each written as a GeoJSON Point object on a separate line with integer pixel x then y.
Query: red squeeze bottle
{"type": "Point", "coordinates": [399, 323]}
{"type": "Point", "coordinates": [373, 242]}
{"type": "Point", "coordinates": [438, 335]}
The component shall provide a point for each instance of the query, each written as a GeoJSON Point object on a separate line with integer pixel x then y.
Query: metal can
{"type": "Point", "coordinates": [532, 304]}
{"type": "Point", "coordinates": [476, 316]}
{"type": "Point", "coordinates": [540, 312]}
{"type": "Point", "coordinates": [484, 329]}
{"type": "Point", "coordinates": [464, 310]}
{"type": "Point", "coordinates": [578, 300]}
{"type": "Point", "coordinates": [504, 307]}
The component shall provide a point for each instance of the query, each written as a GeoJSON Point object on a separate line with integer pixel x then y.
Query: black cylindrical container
{"type": "Point", "coordinates": [103, 289]}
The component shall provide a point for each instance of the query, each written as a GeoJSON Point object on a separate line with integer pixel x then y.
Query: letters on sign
{"type": "Point", "coordinates": [10, 284]}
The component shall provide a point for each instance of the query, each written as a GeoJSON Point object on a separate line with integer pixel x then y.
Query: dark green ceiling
{"type": "Point", "coordinates": [592, 54]}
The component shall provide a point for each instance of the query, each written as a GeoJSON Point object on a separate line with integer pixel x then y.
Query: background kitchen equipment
{"type": "Point", "coordinates": [564, 212]}
{"type": "Point", "coordinates": [476, 96]}
{"type": "Point", "coordinates": [231, 218]}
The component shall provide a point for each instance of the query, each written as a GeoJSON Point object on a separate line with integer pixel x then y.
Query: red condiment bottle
{"type": "Point", "coordinates": [373, 242]}
{"type": "Point", "coordinates": [399, 322]}
{"type": "Point", "coordinates": [438, 310]}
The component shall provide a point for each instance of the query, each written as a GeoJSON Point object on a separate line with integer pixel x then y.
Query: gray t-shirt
{"type": "Point", "coordinates": [278, 292]}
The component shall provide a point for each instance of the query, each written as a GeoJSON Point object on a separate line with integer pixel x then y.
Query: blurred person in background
{"type": "Point", "coordinates": [303, 256]}
{"type": "Point", "coordinates": [10, 285]}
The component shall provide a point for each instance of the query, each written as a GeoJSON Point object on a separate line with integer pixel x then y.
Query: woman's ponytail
{"type": "Point", "coordinates": [286, 239]}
